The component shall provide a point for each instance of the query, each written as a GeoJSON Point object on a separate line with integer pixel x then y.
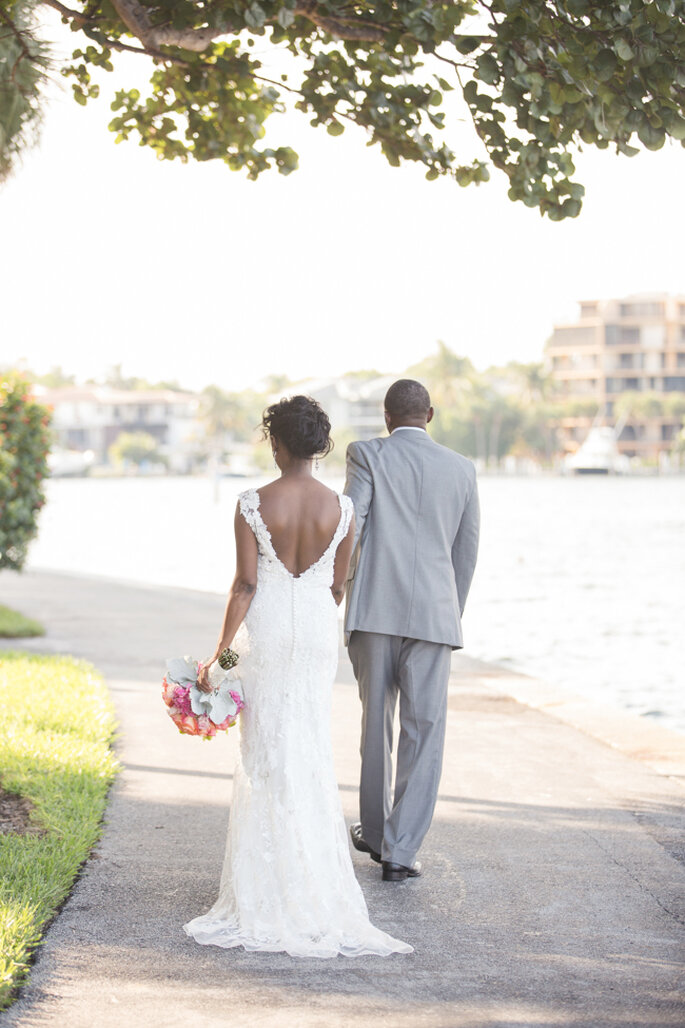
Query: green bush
{"type": "Point", "coordinates": [24, 445]}
{"type": "Point", "coordinates": [134, 448]}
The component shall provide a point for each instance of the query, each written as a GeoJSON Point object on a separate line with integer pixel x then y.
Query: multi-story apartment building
{"type": "Point", "coordinates": [634, 345]}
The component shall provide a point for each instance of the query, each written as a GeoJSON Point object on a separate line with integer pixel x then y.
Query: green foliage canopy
{"type": "Point", "coordinates": [24, 445]}
{"type": "Point", "coordinates": [134, 448]}
{"type": "Point", "coordinates": [23, 64]}
{"type": "Point", "coordinates": [490, 414]}
{"type": "Point", "coordinates": [233, 416]}
{"type": "Point", "coordinates": [650, 404]}
{"type": "Point", "coordinates": [538, 77]}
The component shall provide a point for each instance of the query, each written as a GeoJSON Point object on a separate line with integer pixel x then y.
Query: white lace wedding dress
{"type": "Point", "coordinates": [287, 882]}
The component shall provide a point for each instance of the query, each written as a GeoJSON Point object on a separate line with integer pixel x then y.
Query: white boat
{"type": "Point", "coordinates": [70, 463]}
{"type": "Point", "coordinates": [598, 454]}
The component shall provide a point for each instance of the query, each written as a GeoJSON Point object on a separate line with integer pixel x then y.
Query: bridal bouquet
{"type": "Point", "coordinates": [201, 713]}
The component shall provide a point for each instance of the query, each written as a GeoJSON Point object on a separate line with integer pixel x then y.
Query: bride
{"type": "Point", "coordinates": [287, 882]}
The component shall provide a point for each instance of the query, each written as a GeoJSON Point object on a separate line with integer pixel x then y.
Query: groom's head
{"type": "Point", "coordinates": [407, 403]}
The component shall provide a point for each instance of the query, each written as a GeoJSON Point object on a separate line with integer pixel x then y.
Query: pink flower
{"type": "Point", "coordinates": [238, 700]}
{"type": "Point", "coordinates": [168, 690]}
{"type": "Point", "coordinates": [182, 699]}
{"type": "Point", "coordinates": [227, 723]}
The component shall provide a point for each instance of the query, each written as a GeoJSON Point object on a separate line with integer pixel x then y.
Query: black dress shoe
{"type": "Point", "coordinates": [398, 872]}
{"type": "Point", "coordinates": [359, 844]}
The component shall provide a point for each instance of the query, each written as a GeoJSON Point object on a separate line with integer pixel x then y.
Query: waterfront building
{"type": "Point", "coordinates": [354, 404]}
{"type": "Point", "coordinates": [635, 346]}
{"type": "Point", "coordinates": [91, 418]}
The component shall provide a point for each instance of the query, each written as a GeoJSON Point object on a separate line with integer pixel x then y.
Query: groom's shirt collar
{"type": "Point", "coordinates": [407, 428]}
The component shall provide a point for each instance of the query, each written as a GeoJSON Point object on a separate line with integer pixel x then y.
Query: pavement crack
{"type": "Point", "coordinates": [678, 918]}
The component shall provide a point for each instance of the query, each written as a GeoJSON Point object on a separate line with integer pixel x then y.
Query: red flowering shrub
{"type": "Point", "coordinates": [24, 446]}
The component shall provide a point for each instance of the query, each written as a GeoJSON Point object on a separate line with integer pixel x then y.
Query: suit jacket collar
{"type": "Point", "coordinates": [419, 438]}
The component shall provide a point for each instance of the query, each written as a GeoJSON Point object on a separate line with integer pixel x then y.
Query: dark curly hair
{"type": "Point", "coordinates": [301, 424]}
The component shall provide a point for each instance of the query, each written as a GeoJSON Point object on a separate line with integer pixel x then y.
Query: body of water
{"type": "Point", "coordinates": [580, 582]}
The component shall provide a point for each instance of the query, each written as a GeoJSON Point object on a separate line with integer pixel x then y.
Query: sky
{"type": "Point", "coordinates": [190, 272]}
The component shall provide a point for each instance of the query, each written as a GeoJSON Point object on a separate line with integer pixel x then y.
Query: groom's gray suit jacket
{"type": "Point", "coordinates": [417, 522]}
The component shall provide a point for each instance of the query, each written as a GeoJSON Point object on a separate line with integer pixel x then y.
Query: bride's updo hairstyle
{"type": "Point", "coordinates": [301, 424]}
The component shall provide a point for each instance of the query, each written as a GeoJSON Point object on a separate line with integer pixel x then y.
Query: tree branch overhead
{"type": "Point", "coordinates": [538, 80]}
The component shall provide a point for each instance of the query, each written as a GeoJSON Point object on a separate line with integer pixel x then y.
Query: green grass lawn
{"type": "Point", "coordinates": [15, 626]}
{"type": "Point", "coordinates": [55, 735]}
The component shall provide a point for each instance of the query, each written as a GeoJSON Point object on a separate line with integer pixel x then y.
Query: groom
{"type": "Point", "coordinates": [416, 508]}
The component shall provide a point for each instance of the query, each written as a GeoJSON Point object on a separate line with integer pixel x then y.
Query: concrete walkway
{"type": "Point", "coordinates": [554, 892]}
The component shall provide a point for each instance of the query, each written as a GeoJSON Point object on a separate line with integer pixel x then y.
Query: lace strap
{"type": "Point", "coordinates": [346, 512]}
{"type": "Point", "coordinates": [249, 508]}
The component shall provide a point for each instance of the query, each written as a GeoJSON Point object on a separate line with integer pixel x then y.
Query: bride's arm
{"type": "Point", "coordinates": [342, 563]}
{"type": "Point", "coordinates": [241, 593]}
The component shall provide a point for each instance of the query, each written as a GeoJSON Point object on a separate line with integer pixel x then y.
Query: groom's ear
{"type": "Point", "coordinates": [388, 421]}
{"type": "Point", "coordinates": [429, 416]}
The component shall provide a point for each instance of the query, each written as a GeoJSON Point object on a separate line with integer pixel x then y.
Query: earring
{"type": "Point", "coordinates": [273, 452]}
{"type": "Point", "coordinates": [316, 464]}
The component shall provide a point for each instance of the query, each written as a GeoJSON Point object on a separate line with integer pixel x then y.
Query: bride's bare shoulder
{"type": "Point", "coordinates": [286, 485]}
{"type": "Point", "coordinates": [325, 490]}
{"type": "Point", "coordinates": [268, 489]}
{"type": "Point", "coordinates": [293, 494]}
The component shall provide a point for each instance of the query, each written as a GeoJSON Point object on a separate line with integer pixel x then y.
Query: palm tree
{"type": "Point", "coordinates": [540, 412]}
{"type": "Point", "coordinates": [640, 406]}
{"type": "Point", "coordinates": [450, 380]}
{"type": "Point", "coordinates": [534, 380]}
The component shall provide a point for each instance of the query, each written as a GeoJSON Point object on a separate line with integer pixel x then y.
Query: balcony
{"type": "Point", "coordinates": [624, 362]}
{"type": "Point", "coordinates": [623, 385]}
{"type": "Point", "coordinates": [641, 309]}
{"type": "Point", "coordinates": [569, 336]}
{"type": "Point", "coordinates": [622, 335]}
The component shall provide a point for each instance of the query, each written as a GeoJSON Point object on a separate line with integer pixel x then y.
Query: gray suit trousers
{"type": "Point", "coordinates": [385, 666]}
